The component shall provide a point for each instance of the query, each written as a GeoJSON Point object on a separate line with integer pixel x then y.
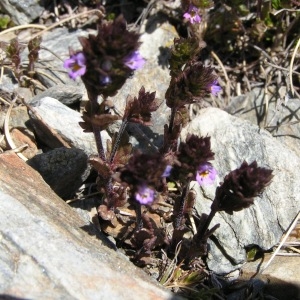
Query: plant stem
{"type": "Point", "coordinates": [117, 141]}
{"type": "Point", "coordinates": [139, 220]}
{"type": "Point", "coordinates": [96, 129]}
{"type": "Point", "coordinates": [98, 139]}
{"type": "Point", "coordinates": [179, 217]}
{"type": "Point", "coordinates": [101, 152]}
{"type": "Point", "coordinates": [172, 118]}
{"type": "Point", "coordinates": [109, 194]}
{"type": "Point", "coordinates": [203, 228]}
{"type": "Point", "coordinates": [178, 231]}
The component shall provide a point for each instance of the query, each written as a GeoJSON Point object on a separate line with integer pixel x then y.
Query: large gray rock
{"type": "Point", "coordinates": [22, 12]}
{"type": "Point", "coordinates": [233, 141]}
{"type": "Point", "coordinates": [65, 122]}
{"type": "Point", "coordinates": [280, 116]}
{"type": "Point", "coordinates": [45, 254]}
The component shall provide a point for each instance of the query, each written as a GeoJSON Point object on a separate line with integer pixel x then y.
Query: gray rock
{"type": "Point", "coordinates": [66, 94]}
{"type": "Point", "coordinates": [63, 169]}
{"type": "Point", "coordinates": [233, 141]}
{"type": "Point", "coordinates": [8, 83]}
{"type": "Point", "coordinates": [65, 122]}
{"type": "Point", "coordinates": [22, 12]}
{"type": "Point", "coordinates": [45, 252]}
{"type": "Point", "coordinates": [281, 118]}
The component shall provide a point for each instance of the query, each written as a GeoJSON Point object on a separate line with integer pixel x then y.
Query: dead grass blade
{"type": "Point", "coordinates": [281, 243]}
{"type": "Point", "coordinates": [21, 27]}
{"type": "Point", "coordinates": [67, 20]}
{"type": "Point", "coordinates": [291, 67]}
{"type": "Point", "coordinates": [7, 133]}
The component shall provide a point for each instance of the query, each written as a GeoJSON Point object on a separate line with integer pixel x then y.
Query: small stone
{"type": "Point", "coordinates": [63, 169]}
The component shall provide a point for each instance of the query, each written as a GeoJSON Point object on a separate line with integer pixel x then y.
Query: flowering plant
{"type": "Point", "coordinates": [140, 180]}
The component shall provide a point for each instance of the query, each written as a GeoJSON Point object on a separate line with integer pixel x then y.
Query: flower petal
{"type": "Point", "coordinates": [206, 174]}
{"type": "Point", "coordinates": [144, 195]}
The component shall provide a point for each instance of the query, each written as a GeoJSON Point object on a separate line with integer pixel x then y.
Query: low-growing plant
{"type": "Point", "coordinates": [140, 180]}
{"type": "Point", "coordinates": [135, 186]}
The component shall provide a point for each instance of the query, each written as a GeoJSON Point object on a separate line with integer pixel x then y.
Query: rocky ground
{"type": "Point", "coordinates": [52, 244]}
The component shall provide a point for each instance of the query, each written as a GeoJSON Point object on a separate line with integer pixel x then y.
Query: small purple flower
{"type": "Point", "coordinates": [215, 88]}
{"type": "Point", "coordinates": [76, 64]}
{"type": "Point", "coordinates": [192, 15]}
{"type": "Point", "coordinates": [134, 61]}
{"type": "Point", "coordinates": [206, 174]}
{"type": "Point", "coordinates": [105, 80]}
{"type": "Point", "coordinates": [144, 195]}
{"type": "Point", "coordinates": [167, 171]}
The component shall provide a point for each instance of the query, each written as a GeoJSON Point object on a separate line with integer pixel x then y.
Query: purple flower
{"type": "Point", "coordinates": [206, 174]}
{"type": "Point", "coordinates": [105, 80]}
{"type": "Point", "coordinates": [144, 195]}
{"type": "Point", "coordinates": [76, 64]}
{"type": "Point", "coordinates": [192, 15]}
{"type": "Point", "coordinates": [134, 61]}
{"type": "Point", "coordinates": [215, 88]}
{"type": "Point", "coordinates": [167, 171]}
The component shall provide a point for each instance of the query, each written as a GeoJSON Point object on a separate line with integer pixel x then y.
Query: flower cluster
{"type": "Point", "coordinates": [183, 51]}
{"type": "Point", "coordinates": [193, 156]}
{"type": "Point", "coordinates": [240, 187]}
{"type": "Point", "coordinates": [144, 173]}
{"type": "Point", "coordinates": [191, 85]}
{"type": "Point", "coordinates": [107, 59]}
{"type": "Point", "coordinates": [139, 109]}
